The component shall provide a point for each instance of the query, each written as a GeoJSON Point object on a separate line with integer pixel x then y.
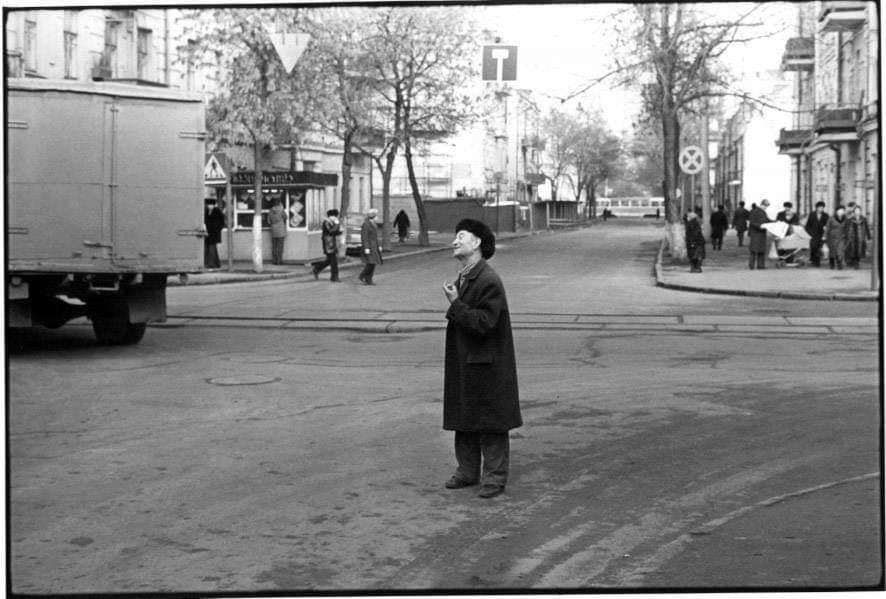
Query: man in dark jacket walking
{"type": "Point", "coordinates": [480, 395]}
{"type": "Point", "coordinates": [757, 243]}
{"type": "Point", "coordinates": [331, 229]}
{"type": "Point", "coordinates": [719, 225]}
{"type": "Point", "coordinates": [740, 222]}
{"type": "Point", "coordinates": [213, 222]}
{"type": "Point", "coordinates": [816, 226]}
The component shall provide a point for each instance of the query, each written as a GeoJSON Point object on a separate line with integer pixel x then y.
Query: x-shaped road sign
{"type": "Point", "coordinates": [691, 160]}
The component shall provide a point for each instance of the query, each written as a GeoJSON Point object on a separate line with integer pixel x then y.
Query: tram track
{"type": "Point", "coordinates": [421, 321]}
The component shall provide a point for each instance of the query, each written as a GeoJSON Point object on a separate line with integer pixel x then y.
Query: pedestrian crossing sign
{"type": "Point", "coordinates": [214, 172]}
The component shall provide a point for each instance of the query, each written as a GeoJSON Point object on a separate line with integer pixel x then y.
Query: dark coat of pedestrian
{"type": "Point", "coordinates": [858, 233]}
{"type": "Point", "coordinates": [740, 222]}
{"type": "Point", "coordinates": [277, 221]}
{"type": "Point", "coordinates": [816, 227]}
{"type": "Point", "coordinates": [370, 252]}
{"type": "Point", "coordinates": [836, 238]}
{"type": "Point", "coordinates": [480, 393]}
{"type": "Point", "coordinates": [788, 215]}
{"type": "Point", "coordinates": [695, 242]}
{"type": "Point", "coordinates": [330, 230]}
{"type": "Point", "coordinates": [214, 222]}
{"type": "Point", "coordinates": [719, 225]}
{"type": "Point", "coordinates": [401, 221]}
{"type": "Point", "coordinates": [757, 235]}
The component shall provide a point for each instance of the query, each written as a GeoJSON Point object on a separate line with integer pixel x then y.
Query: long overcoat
{"type": "Point", "coordinates": [214, 220]}
{"type": "Point", "coordinates": [719, 224]}
{"type": "Point", "coordinates": [836, 237]}
{"type": "Point", "coordinates": [740, 219]}
{"type": "Point", "coordinates": [480, 391]}
{"type": "Point", "coordinates": [694, 240]}
{"type": "Point", "coordinates": [369, 239]}
{"type": "Point", "coordinates": [756, 232]}
{"type": "Point", "coordinates": [857, 234]}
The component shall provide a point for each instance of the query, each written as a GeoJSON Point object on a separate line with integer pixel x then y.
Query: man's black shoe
{"type": "Point", "coordinates": [457, 483]}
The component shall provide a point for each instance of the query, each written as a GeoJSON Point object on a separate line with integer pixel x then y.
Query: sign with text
{"type": "Point", "coordinates": [499, 63]}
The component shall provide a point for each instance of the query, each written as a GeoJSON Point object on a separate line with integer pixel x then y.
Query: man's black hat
{"type": "Point", "coordinates": [481, 232]}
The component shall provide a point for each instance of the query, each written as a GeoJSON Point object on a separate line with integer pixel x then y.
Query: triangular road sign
{"type": "Point", "coordinates": [213, 172]}
{"type": "Point", "coordinates": [290, 47]}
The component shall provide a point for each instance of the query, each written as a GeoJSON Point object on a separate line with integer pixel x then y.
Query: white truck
{"type": "Point", "coordinates": [104, 200]}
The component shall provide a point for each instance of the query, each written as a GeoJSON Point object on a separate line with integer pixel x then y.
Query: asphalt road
{"type": "Point", "coordinates": [230, 454]}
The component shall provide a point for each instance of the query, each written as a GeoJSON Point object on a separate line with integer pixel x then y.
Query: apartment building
{"type": "Point", "coordinates": [833, 140]}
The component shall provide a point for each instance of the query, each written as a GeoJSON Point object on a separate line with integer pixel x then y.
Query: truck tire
{"type": "Point", "coordinates": [110, 323]}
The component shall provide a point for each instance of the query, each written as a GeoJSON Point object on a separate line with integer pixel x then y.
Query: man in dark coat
{"type": "Point", "coordinates": [214, 222]}
{"type": "Point", "coordinates": [331, 229]}
{"type": "Point", "coordinates": [816, 226]}
{"type": "Point", "coordinates": [480, 395]}
{"type": "Point", "coordinates": [694, 242]}
{"type": "Point", "coordinates": [740, 221]}
{"type": "Point", "coordinates": [757, 242]}
{"type": "Point", "coordinates": [719, 225]}
{"type": "Point", "coordinates": [401, 221]}
{"type": "Point", "coordinates": [788, 215]}
{"type": "Point", "coordinates": [371, 253]}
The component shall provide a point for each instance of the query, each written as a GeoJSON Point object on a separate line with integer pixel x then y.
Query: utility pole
{"type": "Point", "coordinates": [875, 236]}
{"type": "Point", "coordinates": [705, 173]}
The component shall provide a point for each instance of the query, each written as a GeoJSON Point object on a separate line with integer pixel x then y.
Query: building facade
{"type": "Point", "coordinates": [834, 138]}
{"type": "Point", "coordinates": [149, 47]}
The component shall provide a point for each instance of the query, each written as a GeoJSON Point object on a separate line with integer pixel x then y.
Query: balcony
{"type": "Point", "coordinates": [799, 54]}
{"type": "Point", "coordinates": [870, 119]}
{"type": "Point", "coordinates": [842, 16]}
{"type": "Point", "coordinates": [836, 124]}
{"type": "Point", "coordinates": [792, 141]}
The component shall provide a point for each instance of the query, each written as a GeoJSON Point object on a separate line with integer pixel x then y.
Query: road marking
{"type": "Point", "coordinates": [661, 556]}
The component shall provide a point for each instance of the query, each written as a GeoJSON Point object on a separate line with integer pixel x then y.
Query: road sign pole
{"type": "Point", "coordinates": [230, 210]}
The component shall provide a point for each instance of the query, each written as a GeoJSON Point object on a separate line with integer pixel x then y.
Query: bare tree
{"type": "Point", "coordinates": [255, 97]}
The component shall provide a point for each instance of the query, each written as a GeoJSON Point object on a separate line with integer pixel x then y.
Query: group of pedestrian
{"type": "Point", "coordinates": [846, 236]}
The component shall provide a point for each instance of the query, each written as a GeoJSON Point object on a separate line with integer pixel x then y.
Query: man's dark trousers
{"type": "Point", "coordinates": [332, 262]}
{"type": "Point", "coordinates": [494, 448]}
{"type": "Point", "coordinates": [758, 260]}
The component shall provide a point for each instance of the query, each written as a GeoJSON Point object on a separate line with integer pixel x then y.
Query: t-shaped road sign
{"type": "Point", "coordinates": [499, 63]}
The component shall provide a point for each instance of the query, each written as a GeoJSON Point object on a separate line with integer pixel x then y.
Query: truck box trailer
{"type": "Point", "coordinates": [104, 200]}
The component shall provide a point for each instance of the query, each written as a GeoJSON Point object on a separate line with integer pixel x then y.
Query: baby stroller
{"type": "Point", "coordinates": [791, 245]}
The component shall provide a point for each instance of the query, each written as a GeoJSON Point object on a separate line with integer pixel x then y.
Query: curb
{"type": "Point", "coordinates": [222, 278]}
{"type": "Point", "coordinates": [842, 297]}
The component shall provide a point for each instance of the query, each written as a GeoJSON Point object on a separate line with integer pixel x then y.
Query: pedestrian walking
{"type": "Point", "coordinates": [330, 230]}
{"type": "Point", "coordinates": [480, 394]}
{"type": "Point", "coordinates": [401, 221]}
{"type": "Point", "coordinates": [757, 235]}
{"type": "Point", "coordinates": [858, 233]}
{"type": "Point", "coordinates": [213, 222]}
{"type": "Point", "coordinates": [836, 238]}
{"type": "Point", "coordinates": [371, 253]}
{"type": "Point", "coordinates": [719, 224]}
{"type": "Point", "coordinates": [694, 241]}
{"type": "Point", "coordinates": [277, 220]}
{"type": "Point", "coordinates": [740, 221]}
{"type": "Point", "coordinates": [816, 226]}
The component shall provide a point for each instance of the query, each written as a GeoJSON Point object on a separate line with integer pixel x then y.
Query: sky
{"type": "Point", "coordinates": [561, 47]}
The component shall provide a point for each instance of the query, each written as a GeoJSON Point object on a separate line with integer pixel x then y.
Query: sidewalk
{"type": "Point", "coordinates": [243, 271]}
{"type": "Point", "coordinates": [726, 271]}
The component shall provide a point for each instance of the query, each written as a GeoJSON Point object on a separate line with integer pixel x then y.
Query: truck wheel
{"type": "Point", "coordinates": [110, 322]}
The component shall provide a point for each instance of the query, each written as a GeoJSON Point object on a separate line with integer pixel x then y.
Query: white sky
{"type": "Point", "coordinates": [563, 46]}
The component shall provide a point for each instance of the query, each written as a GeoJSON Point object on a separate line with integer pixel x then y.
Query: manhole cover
{"type": "Point", "coordinates": [244, 379]}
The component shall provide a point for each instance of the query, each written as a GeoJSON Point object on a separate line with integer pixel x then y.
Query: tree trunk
{"type": "Point", "coordinates": [386, 197]}
{"type": "Point", "coordinates": [346, 164]}
{"type": "Point", "coordinates": [592, 198]}
{"type": "Point", "coordinates": [673, 211]}
{"type": "Point", "coordinates": [256, 218]}
{"type": "Point", "coordinates": [416, 196]}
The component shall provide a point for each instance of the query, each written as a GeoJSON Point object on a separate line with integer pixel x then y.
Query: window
{"type": "Point", "coordinates": [70, 55]}
{"type": "Point", "coordinates": [30, 48]}
{"type": "Point", "coordinates": [109, 59]}
{"type": "Point", "coordinates": [144, 53]}
{"type": "Point", "coordinates": [293, 205]}
{"type": "Point", "coordinates": [190, 66]}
